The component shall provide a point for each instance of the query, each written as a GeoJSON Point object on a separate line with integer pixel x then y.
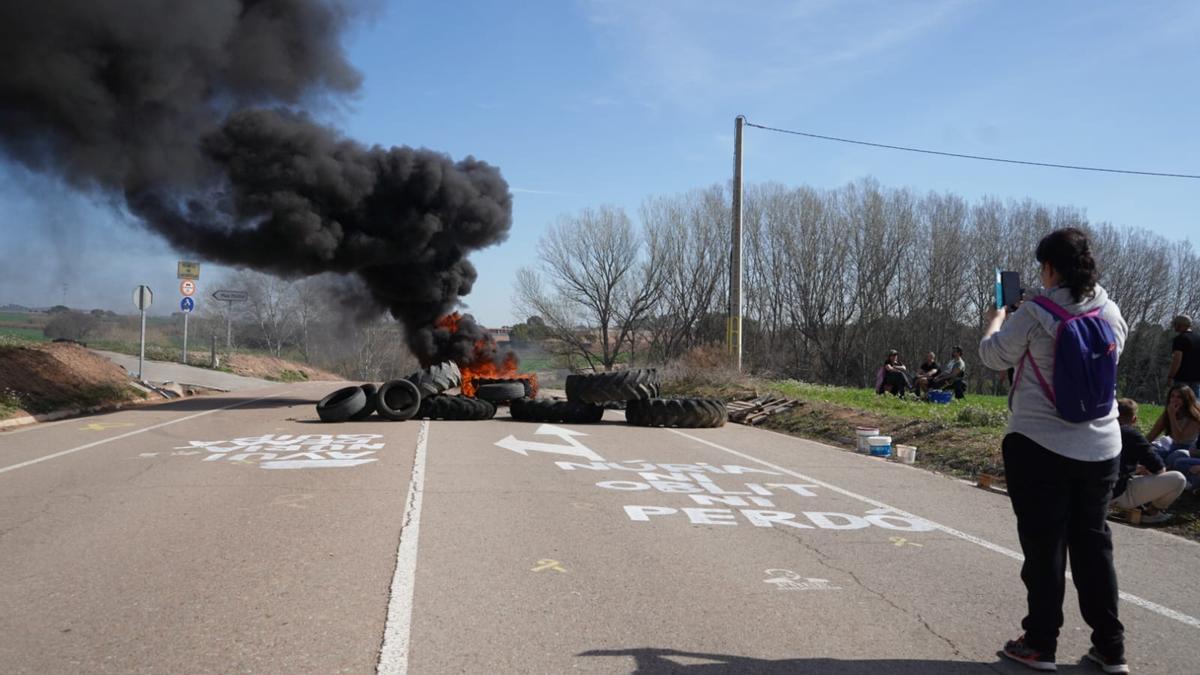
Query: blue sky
{"type": "Point", "coordinates": [582, 103]}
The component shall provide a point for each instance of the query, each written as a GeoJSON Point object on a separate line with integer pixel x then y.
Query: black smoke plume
{"type": "Point", "coordinates": [193, 112]}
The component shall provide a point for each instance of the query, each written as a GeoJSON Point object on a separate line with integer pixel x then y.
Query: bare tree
{"type": "Point", "coordinates": [594, 274]}
{"type": "Point", "coordinates": [271, 307]}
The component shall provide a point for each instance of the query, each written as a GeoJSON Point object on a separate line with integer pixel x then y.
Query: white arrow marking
{"type": "Point", "coordinates": [551, 430]}
{"type": "Point", "coordinates": [575, 449]}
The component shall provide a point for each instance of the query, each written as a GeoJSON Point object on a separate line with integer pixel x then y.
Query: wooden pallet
{"type": "Point", "coordinates": [756, 410]}
{"type": "Point", "coordinates": [1131, 516]}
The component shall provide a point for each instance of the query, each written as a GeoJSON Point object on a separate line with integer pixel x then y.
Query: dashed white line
{"type": "Point", "coordinates": [393, 655]}
{"type": "Point", "coordinates": [1127, 597]}
{"type": "Point", "coordinates": [14, 467]}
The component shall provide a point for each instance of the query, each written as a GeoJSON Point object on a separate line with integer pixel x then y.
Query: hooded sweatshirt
{"type": "Point", "coordinates": [1033, 415]}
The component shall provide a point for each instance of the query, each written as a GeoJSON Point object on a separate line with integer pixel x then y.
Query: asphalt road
{"type": "Point", "coordinates": [227, 534]}
{"type": "Point", "coordinates": [166, 371]}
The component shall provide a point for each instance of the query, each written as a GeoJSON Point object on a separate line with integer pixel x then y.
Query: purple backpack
{"type": "Point", "coordinates": [1085, 364]}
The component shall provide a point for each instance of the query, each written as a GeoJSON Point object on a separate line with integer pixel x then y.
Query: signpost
{"type": "Point", "coordinates": [230, 297]}
{"type": "Point", "coordinates": [188, 270]}
{"type": "Point", "coordinates": [187, 288]}
{"type": "Point", "coordinates": [142, 297]}
{"type": "Point", "coordinates": [186, 305]}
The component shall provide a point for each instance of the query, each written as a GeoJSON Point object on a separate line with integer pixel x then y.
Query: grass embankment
{"type": "Point", "coordinates": [961, 438]}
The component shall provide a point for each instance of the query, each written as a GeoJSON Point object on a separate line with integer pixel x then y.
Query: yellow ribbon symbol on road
{"type": "Point", "coordinates": [548, 565]}
{"type": "Point", "coordinates": [901, 541]}
{"type": "Point", "coordinates": [101, 426]}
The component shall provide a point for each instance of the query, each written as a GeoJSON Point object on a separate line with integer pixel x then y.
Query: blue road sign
{"type": "Point", "coordinates": [187, 304]}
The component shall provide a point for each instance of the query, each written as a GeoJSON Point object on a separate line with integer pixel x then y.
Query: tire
{"type": "Point", "coordinates": [341, 405]}
{"type": "Point", "coordinates": [437, 378]}
{"type": "Point", "coordinates": [499, 392]}
{"type": "Point", "coordinates": [684, 413]}
{"type": "Point", "coordinates": [525, 382]}
{"type": "Point", "coordinates": [368, 391]}
{"type": "Point", "coordinates": [554, 410]}
{"type": "Point", "coordinates": [620, 385]}
{"type": "Point", "coordinates": [397, 400]}
{"type": "Point", "coordinates": [460, 408]}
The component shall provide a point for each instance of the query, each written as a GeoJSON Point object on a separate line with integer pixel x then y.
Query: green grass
{"type": "Point", "coordinates": [539, 362]}
{"type": "Point", "coordinates": [286, 375]}
{"type": "Point", "coordinates": [16, 317]}
{"type": "Point", "coordinates": [15, 334]}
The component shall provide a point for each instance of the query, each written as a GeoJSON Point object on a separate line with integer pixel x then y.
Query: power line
{"type": "Point", "coordinates": [979, 157]}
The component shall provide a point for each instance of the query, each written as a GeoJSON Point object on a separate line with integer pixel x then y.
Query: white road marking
{"type": "Point", "coordinates": [393, 655]}
{"type": "Point", "coordinates": [1127, 597]}
{"type": "Point", "coordinates": [127, 434]}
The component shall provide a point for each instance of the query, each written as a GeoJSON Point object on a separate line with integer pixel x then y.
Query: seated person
{"type": "Point", "coordinates": [1143, 482]}
{"type": "Point", "coordinates": [893, 375]}
{"type": "Point", "coordinates": [926, 372]}
{"type": "Point", "coordinates": [1181, 421]}
{"type": "Point", "coordinates": [953, 375]}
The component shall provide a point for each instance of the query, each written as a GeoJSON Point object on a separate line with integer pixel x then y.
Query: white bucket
{"type": "Point", "coordinates": [906, 453]}
{"type": "Point", "coordinates": [879, 446]}
{"type": "Point", "coordinates": [863, 434]}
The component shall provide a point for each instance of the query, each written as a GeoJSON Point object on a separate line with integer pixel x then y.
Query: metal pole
{"type": "Point", "coordinates": [229, 326]}
{"type": "Point", "coordinates": [142, 349]}
{"type": "Point", "coordinates": [735, 258]}
{"type": "Point", "coordinates": [185, 319]}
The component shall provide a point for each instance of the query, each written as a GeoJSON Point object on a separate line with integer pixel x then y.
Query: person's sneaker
{"type": "Point", "coordinates": [1155, 517]}
{"type": "Point", "coordinates": [1108, 665]}
{"type": "Point", "coordinates": [1022, 653]}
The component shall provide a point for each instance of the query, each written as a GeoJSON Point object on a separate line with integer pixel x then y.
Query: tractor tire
{"type": "Point", "coordinates": [620, 385]}
{"type": "Point", "coordinates": [684, 413]}
{"type": "Point", "coordinates": [397, 400]}
{"type": "Point", "coordinates": [437, 378]}
{"type": "Point", "coordinates": [341, 405]}
{"type": "Point", "coordinates": [368, 390]}
{"type": "Point", "coordinates": [459, 408]}
{"type": "Point", "coordinates": [500, 392]}
{"type": "Point", "coordinates": [526, 383]}
{"type": "Point", "coordinates": [554, 410]}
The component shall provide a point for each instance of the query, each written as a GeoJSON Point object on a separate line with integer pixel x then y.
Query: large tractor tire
{"type": "Point", "coordinates": [442, 407]}
{"type": "Point", "coordinates": [500, 392]}
{"type": "Point", "coordinates": [341, 405]}
{"type": "Point", "coordinates": [437, 378]}
{"type": "Point", "coordinates": [684, 413]}
{"type": "Point", "coordinates": [368, 390]}
{"type": "Point", "coordinates": [554, 410]}
{"type": "Point", "coordinates": [619, 385]}
{"type": "Point", "coordinates": [526, 384]}
{"type": "Point", "coordinates": [397, 400]}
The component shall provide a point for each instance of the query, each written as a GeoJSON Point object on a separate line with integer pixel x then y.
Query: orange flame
{"type": "Point", "coordinates": [483, 365]}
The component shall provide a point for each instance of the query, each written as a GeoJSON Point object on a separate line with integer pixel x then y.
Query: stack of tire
{"type": "Point", "coordinates": [637, 389]}
{"type": "Point", "coordinates": [501, 391]}
{"type": "Point", "coordinates": [420, 395]}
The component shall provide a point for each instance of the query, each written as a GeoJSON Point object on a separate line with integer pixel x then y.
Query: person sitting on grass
{"type": "Point", "coordinates": [926, 372]}
{"type": "Point", "coordinates": [1180, 420]}
{"type": "Point", "coordinates": [893, 376]}
{"type": "Point", "coordinates": [1143, 481]}
{"type": "Point", "coordinates": [953, 375]}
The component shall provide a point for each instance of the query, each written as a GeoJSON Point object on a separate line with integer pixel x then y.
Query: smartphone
{"type": "Point", "coordinates": [1010, 289]}
{"type": "Point", "coordinates": [999, 289]}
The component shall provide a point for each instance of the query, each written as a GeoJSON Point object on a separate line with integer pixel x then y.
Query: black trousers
{"type": "Point", "coordinates": [1061, 506]}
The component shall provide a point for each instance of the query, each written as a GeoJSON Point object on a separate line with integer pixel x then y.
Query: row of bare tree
{"type": "Point", "coordinates": [833, 279]}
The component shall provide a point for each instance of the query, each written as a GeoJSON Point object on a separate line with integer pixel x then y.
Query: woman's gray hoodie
{"type": "Point", "coordinates": [1033, 415]}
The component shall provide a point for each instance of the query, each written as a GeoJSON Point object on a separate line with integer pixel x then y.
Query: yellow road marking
{"type": "Point", "coordinates": [101, 426]}
{"type": "Point", "coordinates": [548, 565]}
{"type": "Point", "coordinates": [292, 501]}
{"type": "Point", "coordinates": [901, 541]}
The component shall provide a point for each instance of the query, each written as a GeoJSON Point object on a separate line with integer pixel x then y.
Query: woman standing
{"type": "Point", "coordinates": [1060, 474]}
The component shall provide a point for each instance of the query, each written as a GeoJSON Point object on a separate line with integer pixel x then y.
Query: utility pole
{"type": "Point", "coordinates": [734, 332]}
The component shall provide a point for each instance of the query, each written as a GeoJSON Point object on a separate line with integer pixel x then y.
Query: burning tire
{"type": "Point", "coordinates": [554, 410]}
{"type": "Point", "coordinates": [341, 405]}
{"type": "Point", "coordinates": [397, 400]}
{"type": "Point", "coordinates": [500, 392]}
{"type": "Point", "coordinates": [442, 407]}
{"type": "Point", "coordinates": [686, 413]}
{"type": "Point", "coordinates": [621, 385]}
{"type": "Point", "coordinates": [528, 384]}
{"type": "Point", "coordinates": [436, 378]}
{"type": "Point", "coordinates": [368, 390]}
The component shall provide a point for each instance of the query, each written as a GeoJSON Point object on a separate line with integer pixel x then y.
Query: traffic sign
{"type": "Point", "coordinates": [187, 287]}
{"type": "Point", "coordinates": [231, 296]}
{"type": "Point", "coordinates": [187, 304]}
{"type": "Point", "coordinates": [188, 270]}
{"type": "Point", "coordinates": [142, 297]}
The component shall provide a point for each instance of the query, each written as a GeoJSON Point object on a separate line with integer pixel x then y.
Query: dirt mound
{"type": "Point", "coordinates": [271, 368]}
{"type": "Point", "coordinates": [37, 379]}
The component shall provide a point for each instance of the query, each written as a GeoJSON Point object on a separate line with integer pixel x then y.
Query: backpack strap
{"type": "Point", "coordinates": [1062, 315]}
{"type": "Point", "coordinates": [1052, 307]}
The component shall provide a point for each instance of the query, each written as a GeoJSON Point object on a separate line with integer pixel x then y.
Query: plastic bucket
{"type": "Point", "coordinates": [879, 446]}
{"type": "Point", "coordinates": [863, 434]}
{"type": "Point", "coordinates": [941, 396]}
{"type": "Point", "coordinates": [906, 453]}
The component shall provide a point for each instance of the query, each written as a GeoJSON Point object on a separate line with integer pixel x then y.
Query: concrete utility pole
{"type": "Point", "coordinates": [734, 333]}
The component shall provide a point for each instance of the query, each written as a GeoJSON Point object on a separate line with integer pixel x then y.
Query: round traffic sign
{"type": "Point", "coordinates": [187, 287]}
{"type": "Point", "coordinates": [187, 304]}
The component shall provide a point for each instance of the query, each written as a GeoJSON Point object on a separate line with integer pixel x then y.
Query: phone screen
{"type": "Point", "coordinates": [1010, 288]}
{"type": "Point", "coordinates": [999, 289]}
